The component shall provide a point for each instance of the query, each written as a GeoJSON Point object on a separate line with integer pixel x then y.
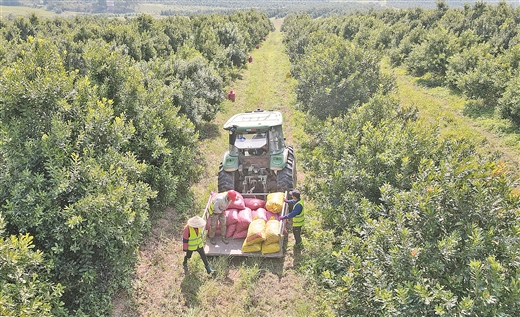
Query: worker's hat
{"type": "Point", "coordinates": [295, 193]}
{"type": "Point", "coordinates": [196, 222]}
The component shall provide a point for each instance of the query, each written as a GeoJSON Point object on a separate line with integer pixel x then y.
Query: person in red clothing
{"type": "Point", "coordinates": [192, 241]}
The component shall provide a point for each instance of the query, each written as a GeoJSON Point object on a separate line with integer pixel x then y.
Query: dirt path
{"type": "Point", "coordinates": [243, 286]}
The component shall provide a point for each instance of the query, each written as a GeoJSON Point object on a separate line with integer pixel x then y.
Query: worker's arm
{"type": "Point", "coordinates": [295, 212]}
{"type": "Point", "coordinates": [185, 238]}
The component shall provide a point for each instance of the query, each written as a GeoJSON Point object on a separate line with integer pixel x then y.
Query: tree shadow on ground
{"type": "Point", "coordinates": [429, 82]}
{"type": "Point", "coordinates": [478, 109]}
{"type": "Point", "coordinates": [208, 130]}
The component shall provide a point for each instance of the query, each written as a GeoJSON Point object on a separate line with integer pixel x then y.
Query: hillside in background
{"type": "Point", "coordinates": [278, 9]}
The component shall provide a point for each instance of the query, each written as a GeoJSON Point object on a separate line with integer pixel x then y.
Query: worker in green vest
{"type": "Point", "coordinates": [297, 216]}
{"type": "Point", "coordinates": [192, 241]}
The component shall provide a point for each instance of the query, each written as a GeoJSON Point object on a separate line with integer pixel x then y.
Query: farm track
{"type": "Point", "coordinates": [258, 287]}
{"type": "Point", "coordinates": [243, 286]}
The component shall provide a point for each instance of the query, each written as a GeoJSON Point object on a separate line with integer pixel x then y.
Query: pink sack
{"type": "Point", "coordinates": [259, 213]}
{"type": "Point", "coordinates": [230, 230]}
{"type": "Point", "coordinates": [240, 234]}
{"type": "Point", "coordinates": [238, 203]}
{"type": "Point", "coordinates": [254, 203]}
{"type": "Point", "coordinates": [231, 216]}
{"type": "Point", "coordinates": [244, 219]}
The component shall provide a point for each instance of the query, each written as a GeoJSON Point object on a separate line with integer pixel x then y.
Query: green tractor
{"type": "Point", "coordinates": [258, 160]}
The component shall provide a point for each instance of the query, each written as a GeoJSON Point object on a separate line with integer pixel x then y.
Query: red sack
{"type": "Point", "coordinates": [254, 203]}
{"type": "Point", "coordinates": [259, 213]}
{"type": "Point", "coordinates": [244, 219]}
{"type": "Point", "coordinates": [238, 203]}
{"type": "Point", "coordinates": [240, 234]}
{"type": "Point", "coordinates": [231, 216]}
{"type": "Point", "coordinates": [230, 230]}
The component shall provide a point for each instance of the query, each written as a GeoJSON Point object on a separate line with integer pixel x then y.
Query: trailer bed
{"type": "Point", "coordinates": [234, 247]}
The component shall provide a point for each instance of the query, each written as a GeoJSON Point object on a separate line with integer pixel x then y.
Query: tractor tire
{"type": "Point", "coordinates": [286, 178]}
{"type": "Point", "coordinates": [226, 180]}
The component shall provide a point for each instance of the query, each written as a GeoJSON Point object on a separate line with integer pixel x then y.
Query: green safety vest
{"type": "Point", "coordinates": [299, 219]}
{"type": "Point", "coordinates": [195, 240]}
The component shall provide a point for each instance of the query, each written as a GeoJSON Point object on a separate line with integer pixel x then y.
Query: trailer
{"type": "Point", "coordinates": [234, 247]}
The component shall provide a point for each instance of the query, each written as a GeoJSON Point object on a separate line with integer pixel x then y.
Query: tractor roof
{"type": "Point", "coordinates": [258, 119]}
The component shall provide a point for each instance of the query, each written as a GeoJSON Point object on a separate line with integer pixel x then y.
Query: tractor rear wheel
{"type": "Point", "coordinates": [226, 180]}
{"type": "Point", "coordinates": [286, 179]}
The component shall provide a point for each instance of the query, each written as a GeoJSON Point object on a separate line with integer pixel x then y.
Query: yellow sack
{"type": "Point", "coordinates": [255, 232]}
{"type": "Point", "coordinates": [274, 202]}
{"type": "Point", "coordinates": [257, 247]}
{"type": "Point", "coordinates": [272, 230]}
{"type": "Point", "coordinates": [270, 248]}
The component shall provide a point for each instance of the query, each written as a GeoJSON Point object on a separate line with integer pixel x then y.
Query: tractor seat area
{"type": "Point", "coordinates": [259, 161]}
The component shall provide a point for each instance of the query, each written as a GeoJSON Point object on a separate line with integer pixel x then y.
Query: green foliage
{"type": "Point", "coordinates": [485, 81]}
{"type": "Point", "coordinates": [423, 226]}
{"type": "Point", "coordinates": [333, 74]}
{"type": "Point", "coordinates": [195, 84]}
{"type": "Point", "coordinates": [509, 104]}
{"type": "Point", "coordinates": [98, 128]}
{"type": "Point", "coordinates": [471, 49]}
{"type": "Point", "coordinates": [432, 55]}
{"type": "Point", "coordinates": [25, 287]}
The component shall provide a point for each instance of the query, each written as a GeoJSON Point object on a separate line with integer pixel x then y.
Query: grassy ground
{"type": "Point", "coordinates": [243, 286]}
{"type": "Point", "coordinates": [454, 117]}
{"type": "Point", "coordinates": [6, 11]}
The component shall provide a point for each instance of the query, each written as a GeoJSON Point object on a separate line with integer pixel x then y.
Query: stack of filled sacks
{"type": "Point", "coordinates": [274, 205]}
{"type": "Point", "coordinates": [252, 208]}
{"type": "Point", "coordinates": [231, 215]}
{"type": "Point", "coordinates": [255, 236]}
{"type": "Point", "coordinates": [260, 236]}
{"type": "Point", "coordinates": [271, 244]}
{"type": "Point", "coordinates": [263, 235]}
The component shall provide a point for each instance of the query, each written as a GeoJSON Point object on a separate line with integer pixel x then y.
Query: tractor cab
{"type": "Point", "coordinates": [257, 154]}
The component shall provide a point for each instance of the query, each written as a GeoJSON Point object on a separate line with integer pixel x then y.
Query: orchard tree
{"type": "Point", "coordinates": [336, 75]}
{"type": "Point", "coordinates": [414, 224]}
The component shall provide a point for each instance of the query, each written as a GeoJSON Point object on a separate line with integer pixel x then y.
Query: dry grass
{"type": "Point", "coordinates": [242, 286]}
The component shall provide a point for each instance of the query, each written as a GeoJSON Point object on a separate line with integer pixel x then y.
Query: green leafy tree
{"type": "Point", "coordinates": [433, 232]}
{"type": "Point", "coordinates": [432, 55]}
{"type": "Point", "coordinates": [509, 103]}
{"type": "Point", "coordinates": [24, 278]}
{"type": "Point", "coordinates": [336, 75]}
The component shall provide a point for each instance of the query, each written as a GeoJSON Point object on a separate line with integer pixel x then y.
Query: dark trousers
{"type": "Point", "coordinates": [297, 232]}
{"type": "Point", "coordinates": [202, 256]}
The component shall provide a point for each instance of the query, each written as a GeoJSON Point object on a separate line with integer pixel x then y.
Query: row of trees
{"type": "Point", "coordinates": [474, 50]}
{"type": "Point", "coordinates": [99, 128]}
{"type": "Point", "coordinates": [414, 223]}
